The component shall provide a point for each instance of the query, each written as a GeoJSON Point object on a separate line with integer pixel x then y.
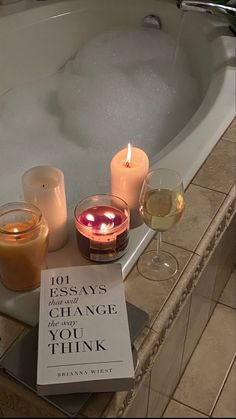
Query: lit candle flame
{"type": "Point", "coordinates": [129, 155]}
{"type": "Point", "coordinates": [15, 230]}
{"type": "Point", "coordinates": [90, 217]}
{"type": "Point", "coordinates": [109, 215]}
{"type": "Point", "coordinates": [103, 228]}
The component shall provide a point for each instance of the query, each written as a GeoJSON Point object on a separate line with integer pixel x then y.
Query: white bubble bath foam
{"type": "Point", "coordinates": [119, 87]}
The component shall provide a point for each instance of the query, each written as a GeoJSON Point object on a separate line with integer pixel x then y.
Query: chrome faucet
{"type": "Point", "coordinates": [223, 8]}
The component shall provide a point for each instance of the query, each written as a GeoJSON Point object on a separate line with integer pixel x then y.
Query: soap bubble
{"type": "Point", "coordinates": [120, 88]}
{"type": "Point", "coordinates": [124, 47]}
{"type": "Point", "coordinates": [104, 111]}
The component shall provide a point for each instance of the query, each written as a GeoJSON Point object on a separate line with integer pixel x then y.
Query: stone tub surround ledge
{"type": "Point", "coordinates": [194, 257]}
{"type": "Point", "coordinates": [207, 225]}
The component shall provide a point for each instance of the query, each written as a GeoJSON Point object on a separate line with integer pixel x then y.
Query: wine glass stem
{"type": "Point", "coordinates": [159, 241]}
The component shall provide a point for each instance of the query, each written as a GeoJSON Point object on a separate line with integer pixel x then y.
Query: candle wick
{"type": "Point", "coordinates": [127, 164]}
{"type": "Point", "coordinates": [43, 186]}
{"type": "Point", "coordinates": [17, 237]}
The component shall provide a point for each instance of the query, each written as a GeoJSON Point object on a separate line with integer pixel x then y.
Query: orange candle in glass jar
{"type": "Point", "coordinates": [23, 245]}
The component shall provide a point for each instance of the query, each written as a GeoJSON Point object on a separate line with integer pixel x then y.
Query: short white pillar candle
{"type": "Point", "coordinates": [128, 170]}
{"type": "Point", "coordinates": [44, 187]}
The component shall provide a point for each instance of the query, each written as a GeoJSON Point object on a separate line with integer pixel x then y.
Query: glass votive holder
{"type": "Point", "coordinates": [102, 227]}
{"type": "Point", "coordinates": [23, 245]}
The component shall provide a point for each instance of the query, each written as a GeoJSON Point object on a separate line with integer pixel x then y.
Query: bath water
{"type": "Point", "coordinates": [115, 90]}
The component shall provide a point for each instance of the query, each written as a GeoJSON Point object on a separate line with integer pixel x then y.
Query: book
{"type": "Point", "coordinates": [84, 340]}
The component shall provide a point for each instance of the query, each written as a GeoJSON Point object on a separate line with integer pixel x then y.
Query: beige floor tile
{"type": "Point", "coordinates": [178, 410]}
{"type": "Point", "coordinates": [230, 133]}
{"type": "Point", "coordinates": [95, 405]}
{"type": "Point", "coordinates": [10, 330]}
{"type": "Point", "coordinates": [10, 413]}
{"type": "Point", "coordinates": [226, 405]}
{"type": "Point", "coordinates": [206, 370]}
{"type": "Point", "coordinates": [219, 170]}
{"type": "Point", "coordinates": [166, 367]}
{"type": "Point", "coordinates": [201, 304]}
{"type": "Point", "coordinates": [201, 206]}
{"type": "Point", "coordinates": [228, 296]}
{"type": "Point", "coordinates": [158, 404]}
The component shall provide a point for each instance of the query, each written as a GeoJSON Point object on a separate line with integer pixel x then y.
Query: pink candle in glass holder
{"type": "Point", "coordinates": [102, 227]}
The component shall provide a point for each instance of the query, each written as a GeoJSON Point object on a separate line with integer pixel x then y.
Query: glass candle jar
{"type": "Point", "coordinates": [102, 227]}
{"type": "Point", "coordinates": [23, 245]}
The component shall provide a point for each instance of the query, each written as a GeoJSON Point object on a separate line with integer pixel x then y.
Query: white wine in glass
{"type": "Point", "coordinates": [161, 206]}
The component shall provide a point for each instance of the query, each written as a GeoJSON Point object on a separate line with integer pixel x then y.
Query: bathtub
{"type": "Point", "coordinates": [36, 40]}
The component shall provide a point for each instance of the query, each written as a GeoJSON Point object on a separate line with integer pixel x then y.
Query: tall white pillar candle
{"type": "Point", "coordinates": [44, 187]}
{"type": "Point", "coordinates": [128, 170]}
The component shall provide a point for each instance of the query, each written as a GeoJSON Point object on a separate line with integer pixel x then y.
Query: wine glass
{"type": "Point", "coordinates": [161, 206]}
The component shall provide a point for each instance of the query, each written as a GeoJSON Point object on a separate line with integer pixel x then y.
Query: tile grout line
{"type": "Point", "coordinates": [224, 380]}
{"type": "Point", "coordinates": [228, 139]}
{"type": "Point", "coordinates": [225, 305]}
{"type": "Point", "coordinates": [218, 301]}
{"type": "Point", "coordinates": [194, 251]}
{"type": "Point", "coordinates": [181, 362]}
{"type": "Point", "coordinates": [190, 407]}
{"type": "Point", "coordinates": [181, 402]}
{"type": "Point", "coordinates": [211, 189]}
{"type": "Point", "coordinates": [180, 247]}
{"type": "Point", "coordinates": [222, 385]}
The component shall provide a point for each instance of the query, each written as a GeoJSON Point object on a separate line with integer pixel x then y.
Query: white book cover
{"type": "Point", "coordinates": [84, 342]}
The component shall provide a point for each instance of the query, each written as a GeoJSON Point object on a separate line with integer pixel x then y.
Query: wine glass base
{"type": "Point", "coordinates": [158, 268]}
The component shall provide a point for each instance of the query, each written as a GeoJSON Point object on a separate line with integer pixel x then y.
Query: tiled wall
{"type": "Point", "coordinates": [158, 386]}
